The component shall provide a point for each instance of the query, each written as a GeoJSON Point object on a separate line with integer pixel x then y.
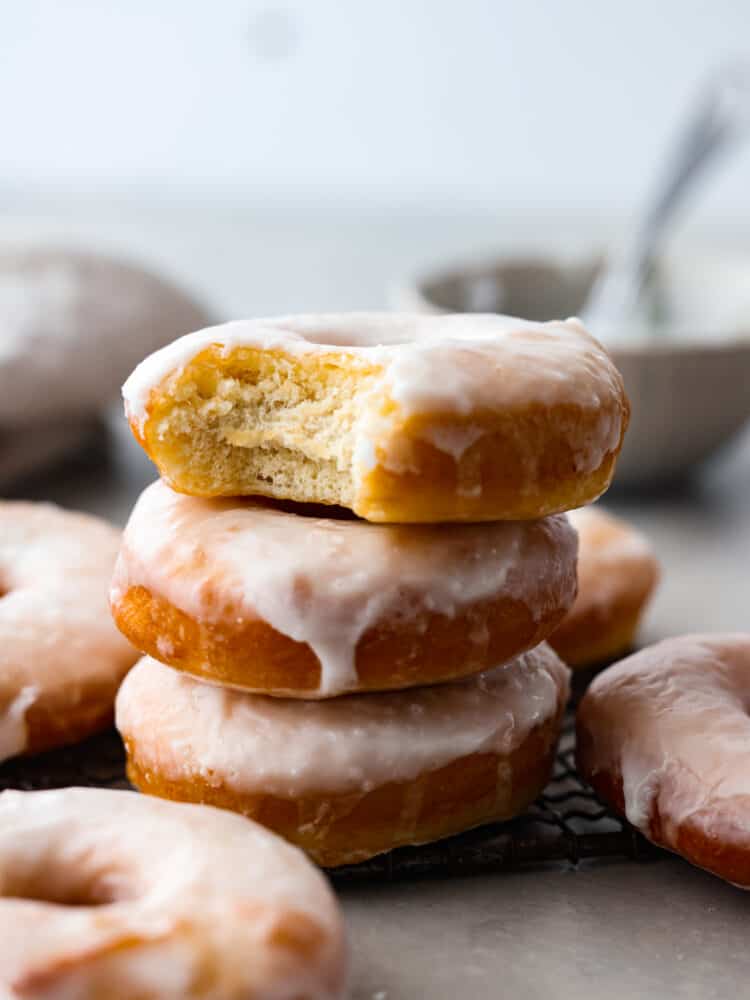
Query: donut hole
{"type": "Point", "coordinates": [66, 881]}
{"type": "Point", "coordinates": [262, 422]}
{"type": "Point", "coordinates": [383, 337]}
{"type": "Point", "coordinates": [74, 895]}
{"type": "Point", "coordinates": [40, 894]}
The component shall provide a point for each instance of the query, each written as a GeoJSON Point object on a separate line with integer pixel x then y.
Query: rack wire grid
{"type": "Point", "coordinates": [566, 825]}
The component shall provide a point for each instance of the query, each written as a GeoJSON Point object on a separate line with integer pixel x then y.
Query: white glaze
{"type": "Point", "coordinates": [439, 364]}
{"type": "Point", "coordinates": [454, 441]}
{"type": "Point", "coordinates": [72, 324]}
{"type": "Point", "coordinates": [326, 581]}
{"type": "Point", "coordinates": [673, 720]}
{"type": "Point", "coordinates": [57, 640]}
{"type": "Point", "coordinates": [193, 897]}
{"type": "Point", "coordinates": [183, 728]}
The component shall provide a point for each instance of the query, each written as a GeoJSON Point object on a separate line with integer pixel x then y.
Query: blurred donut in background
{"type": "Point", "coordinates": [23, 452]}
{"type": "Point", "coordinates": [72, 325]}
{"type": "Point", "coordinates": [61, 658]}
{"type": "Point", "coordinates": [617, 574]}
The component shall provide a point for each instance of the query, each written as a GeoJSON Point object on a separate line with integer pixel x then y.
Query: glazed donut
{"type": "Point", "coordinates": [61, 658]}
{"type": "Point", "coordinates": [664, 738]}
{"type": "Point", "coordinates": [73, 324]}
{"type": "Point", "coordinates": [402, 418]}
{"type": "Point", "coordinates": [351, 777]}
{"type": "Point", "coordinates": [617, 574]}
{"type": "Point", "coordinates": [260, 598]}
{"type": "Point", "coordinates": [108, 895]}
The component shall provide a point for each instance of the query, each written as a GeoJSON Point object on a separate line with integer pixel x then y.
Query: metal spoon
{"type": "Point", "coordinates": [722, 117]}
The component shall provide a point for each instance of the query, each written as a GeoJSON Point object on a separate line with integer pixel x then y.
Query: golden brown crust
{"type": "Point", "coordinates": [430, 649]}
{"type": "Point", "coordinates": [592, 639]}
{"type": "Point", "coordinates": [617, 575]}
{"type": "Point", "coordinates": [435, 490]}
{"type": "Point", "coordinates": [49, 726]}
{"type": "Point", "coordinates": [726, 856]}
{"type": "Point", "coordinates": [528, 462]}
{"type": "Point", "coordinates": [337, 830]}
{"type": "Point", "coordinates": [431, 490]}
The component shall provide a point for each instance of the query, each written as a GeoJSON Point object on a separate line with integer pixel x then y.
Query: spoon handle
{"type": "Point", "coordinates": [721, 117]}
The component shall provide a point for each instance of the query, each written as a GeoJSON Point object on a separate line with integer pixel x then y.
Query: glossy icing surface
{"type": "Point", "coordinates": [161, 910]}
{"type": "Point", "coordinates": [57, 639]}
{"type": "Point", "coordinates": [449, 364]}
{"type": "Point", "coordinates": [673, 720]}
{"type": "Point", "coordinates": [184, 728]}
{"type": "Point", "coordinates": [325, 581]}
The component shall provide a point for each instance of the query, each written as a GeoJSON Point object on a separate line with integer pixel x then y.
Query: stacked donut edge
{"type": "Point", "coordinates": [359, 684]}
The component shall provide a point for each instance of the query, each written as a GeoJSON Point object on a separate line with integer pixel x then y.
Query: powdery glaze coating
{"type": "Point", "coordinates": [184, 728]}
{"type": "Point", "coordinates": [194, 902]}
{"type": "Point", "coordinates": [617, 573]}
{"type": "Point", "coordinates": [448, 364]}
{"type": "Point", "coordinates": [72, 324]}
{"type": "Point", "coordinates": [59, 651]}
{"type": "Point", "coordinates": [665, 736]}
{"type": "Point", "coordinates": [326, 581]}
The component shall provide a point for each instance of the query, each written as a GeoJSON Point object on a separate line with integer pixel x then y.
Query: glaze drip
{"type": "Point", "coordinates": [253, 744]}
{"type": "Point", "coordinates": [325, 581]}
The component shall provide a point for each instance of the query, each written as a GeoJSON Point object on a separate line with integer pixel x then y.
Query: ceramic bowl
{"type": "Point", "coordinates": [688, 379]}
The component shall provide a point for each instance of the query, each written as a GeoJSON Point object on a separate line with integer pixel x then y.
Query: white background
{"type": "Point", "coordinates": [542, 108]}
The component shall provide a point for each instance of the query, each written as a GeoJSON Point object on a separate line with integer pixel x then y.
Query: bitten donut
{"type": "Point", "coordinates": [112, 896]}
{"type": "Point", "coordinates": [664, 737]}
{"type": "Point", "coordinates": [61, 658]}
{"type": "Point", "coordinates": [402, 418]}
{"type": "Point", "coordinates": [617, 574]}
{"type": "Point", "coordinates": [73, 324]}
{"type": "Point", "coordinates": [247, 594]}
{"type": "Point", "coordinates": [351, 777]}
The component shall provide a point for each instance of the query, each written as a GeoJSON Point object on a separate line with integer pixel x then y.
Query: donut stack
{"type": "Point", "coordinates": [345, 577]}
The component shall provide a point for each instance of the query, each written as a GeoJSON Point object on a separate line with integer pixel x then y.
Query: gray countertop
{"type": "Point", "coordinates": [614, 930]}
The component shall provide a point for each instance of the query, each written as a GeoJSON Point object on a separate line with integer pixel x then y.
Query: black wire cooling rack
{"type": "Point", "coordinates": [566, 825]}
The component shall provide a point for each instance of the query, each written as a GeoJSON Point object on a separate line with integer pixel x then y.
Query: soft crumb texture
{"type": "Point", "coordinates": [399, 418]}
{"type": "Point", "coordinates": [263, 423]}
